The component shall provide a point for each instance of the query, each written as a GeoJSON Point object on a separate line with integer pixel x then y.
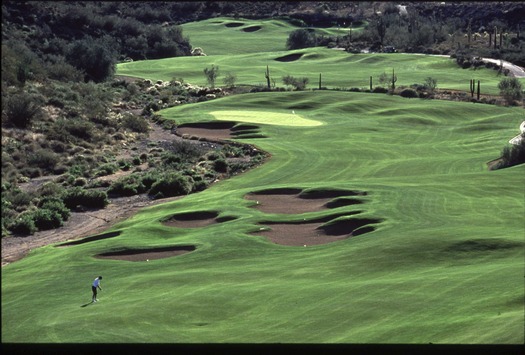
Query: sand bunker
{"type": "Point", "coordinates": [218, 130]}
{"type": "Point", "coordinates": [91, 239]}
{"type": "Point", "coordinates": [234, 24]}
{"type": "Point", "coordinates": [321, 230]}
{"type": "Point", "coordinates": [252, 29]}
{"type": "Point", "coordinates": [295, 201]}
{"type": "Point", "coordinates": [195, 219]}
{"type": "Point", "coordinates": [146, 254]}
{"type": "Point", "coordinates": [315, 233]}
{"type": "Point", "coordinates": [289, 57]}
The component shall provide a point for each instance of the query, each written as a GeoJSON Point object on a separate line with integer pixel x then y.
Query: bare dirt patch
{"type": "Point", "coordinates": [147, 254]}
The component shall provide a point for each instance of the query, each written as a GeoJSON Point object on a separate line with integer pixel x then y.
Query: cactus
{"type": "Point", "coordinates": [394, 79]}
{"type": "Point", "coordinates": [267, 76]}
{"type": "Point", "coordinates": [478, 89]}
{"type": "Point", "coordinates": [319, 81]}
{"type": "Point", "coordinates": [472, 87]}
{"type": "Point", "coordinates": [370, 82]}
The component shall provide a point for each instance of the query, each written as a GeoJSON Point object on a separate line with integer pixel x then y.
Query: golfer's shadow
{"type": "Point", "coordinates": [87, 304]}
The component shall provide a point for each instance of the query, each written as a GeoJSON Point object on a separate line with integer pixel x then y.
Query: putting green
{"type": "Point", "coordinates": [265, 117]}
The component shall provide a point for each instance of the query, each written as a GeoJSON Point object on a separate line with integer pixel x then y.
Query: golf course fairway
{"type": "Point", "coordinates": [422, 242]}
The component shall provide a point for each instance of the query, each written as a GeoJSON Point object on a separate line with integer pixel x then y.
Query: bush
{"type": "Point", "coordinates": [513, 155]}
{"type": "Point", "coordinates": [45, 219]}
{"type": "Point", "coordinates": [23, 224]}
{"type": "Point", "coordinates": [57, 205]}
{"type": "Point", "coordinates": [409, 93]}
{"type": "Point", "coordinates": [220, 166]}
{"type": "Point", "coordinates": [77, 196]}
{"type": "Point", "coordinates": [21, 109]}
{"type": "Point", "coordinates": [510, 89]}
{"type": "Point", "coordinates": [44, 159]}
{"type": "Point", "coordinates": [94, 57]}
{"type": "Point", "coordinates": [301, 38]}
{"type": "Point", "coordinates": [135, 123]}
{"type": "Point", "coordinates": [171, 184]}
{"type": "Point", "coordinates": [380, 90]}
{"type": "Point", "coordinates": [106, 169]}
{"type": "Point", "coordinates": [127, 186]}
{"type": "Point", "coordinates": [297, 83]}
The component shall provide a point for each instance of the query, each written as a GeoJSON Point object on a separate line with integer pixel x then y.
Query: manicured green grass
{"type": "Point", "coordinates": [445, 265]}
{"type": "Point", "coordinates": [247, 54]}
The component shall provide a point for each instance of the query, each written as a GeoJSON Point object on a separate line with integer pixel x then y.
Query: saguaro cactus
{"type": "Point", "coordinates": [472, 87]}
{"type": "Point", "coordinates": [319, 81]}
{"type": "Point", "coordinates": [267, 76]}
{"type": "Point", "coordinates": [370, 82]}
{"type": "Point", "coordinates": [478, 89]}
{"type": "Point", "coordinates": [394, 79]}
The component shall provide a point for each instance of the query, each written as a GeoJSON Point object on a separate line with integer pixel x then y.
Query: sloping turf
{"type": "Point", "coordinates": [444, 266]}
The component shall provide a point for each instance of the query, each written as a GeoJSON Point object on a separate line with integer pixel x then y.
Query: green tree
{"type": "Point", "coordinates": [211, 74]}
{"type": "Point", "coordinates": [301, 38]}
{"type": "Point", "coordinates": [229, 80]}
{"type": "Point", "coordinates": [94, 57]}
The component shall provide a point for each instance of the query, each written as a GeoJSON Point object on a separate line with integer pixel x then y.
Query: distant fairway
{"type": "Point", "coordinates": [436, 252]}
{"type": "Point", "coordinates": [265, 117]}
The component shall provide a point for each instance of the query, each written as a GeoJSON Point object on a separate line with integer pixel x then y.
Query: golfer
{"type": "Point", "coordinates": [96, 284]}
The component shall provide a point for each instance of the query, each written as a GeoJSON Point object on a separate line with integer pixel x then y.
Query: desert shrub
{"type": "Point", "coordinates": [23, 224]}
{"type": "Point", "coordinates": [63, 71]}
{"type": "Point", "coordinates": [106, 169]}
{"type": "Point", "coordinates": [297, 83]}
{"type": "Point", "coordinates": [94, 57]}
{"type": "Point", "coordinates": [510, 89]}
{"type": "Point", "coordinates": [135, 123]}
{"type": "Point", "coordinates": [409, 93]}
{"type": "Point", "coordinates": [127, 186]}
{"type": "Point", "coordinates": [44, 159]}
{"type": "Point", "coordinates": [430, 84]}
{"type": "Point", "coordinates": [220, 166]}
{"type": "Point", "coordinates": [57, 205]}
{"type": "Point", "coordinates": [211, 74]}
{"type": "Point", "coordinates": [229, 80]}
{"type": "Point", "coordinates": [45, 219]}
{"type": "Point", "coordinates": [18, 199]}
{"type": "Point", "coordinates": [301, 38]}
{"type": "Point", "coordinates": [21, 109]}
{"type": "Point", "coordinates": [171, 184]}
{"type": "Point", "coordinates": [78, 196]}
{"type": "Point", "coordinates": [513, 155]}
{"type": "Point", "coordinates": [380, 90]}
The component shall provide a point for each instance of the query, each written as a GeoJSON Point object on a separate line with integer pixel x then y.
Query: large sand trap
{"type": "Point", "coordinates": [195, 219]}
{"type": "Point", "coordinates": [218, 130]}
{"type": "Point", "coordinates": [147, 254]}
{"type": "Point", "coordinates": [294, 201]}
{"type": "Point", "coordinates": [208, 130]}
{"type": "Point", "coordinates": [314, 233]}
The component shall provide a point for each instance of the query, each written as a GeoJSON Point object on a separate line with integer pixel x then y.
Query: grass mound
{"type": "Point", "coordinates": [91, 239]}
